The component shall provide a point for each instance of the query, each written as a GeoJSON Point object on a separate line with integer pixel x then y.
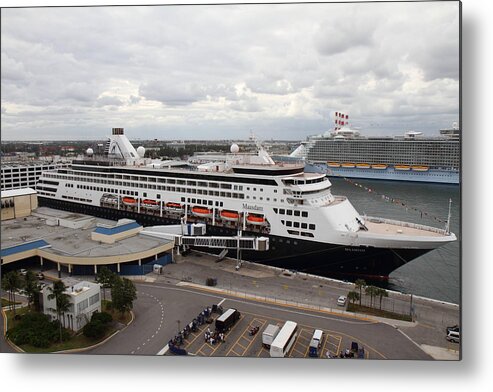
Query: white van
{"type": "Point", "coordinates": [453, 336]}
{"type": "Point", "coordinates": [317, 338]}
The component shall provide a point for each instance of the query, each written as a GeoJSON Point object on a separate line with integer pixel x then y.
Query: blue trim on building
{"type": "Point", "coordinates": [23, 247]}
{"type": "Point", "coordinates": [116, 229]}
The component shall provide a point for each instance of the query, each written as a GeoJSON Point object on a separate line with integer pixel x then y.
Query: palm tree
{"type": "Point", "coordinates": [353, 296]}
{"type": "Point", "coordinates": [360, 283]}
{"type": "Point", "coordinates": [106, 278]}
{"type": "Point", "coordinates": [382, 293]}
{"type": "Point", "coordinates": [62, 302]}
{"type": "Point", "coordinates": [11, 282]}
{"type": "Point", "coordinates": [371, 291]}
{"type": "Point", "coordinates": [32, 288]}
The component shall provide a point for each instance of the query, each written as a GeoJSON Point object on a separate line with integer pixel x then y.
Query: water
{"type": "Point", "coordinates": [437, 273]}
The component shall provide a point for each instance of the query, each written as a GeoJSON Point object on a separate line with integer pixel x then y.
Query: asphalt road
{"type": "Point", "coordinates": [159, 306]}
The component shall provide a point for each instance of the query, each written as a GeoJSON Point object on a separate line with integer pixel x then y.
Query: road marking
{"type": "Point", "coordinates": [327, 331]}
{"type": "Point", "coordinates": [164, 350]}
{"type": "Point", "coordinates": [283, 308]}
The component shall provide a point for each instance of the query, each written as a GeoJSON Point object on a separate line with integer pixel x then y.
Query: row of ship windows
{"type": "Point", "coordinates": [266, 199]}
{"type": "Point", "coordinates": [282, 211]}
{"type": "Point", "coordinates": [76, 198]}
{"type": "Point", "coordinates": [298, 225]}
{"type": "Point", "coordinates": [202, 201]}
{"type": "Point", "coordinates": [173, 181]}
{"type": "Point", "coordinates": [171, 189]}
{"type": "Point", "coordinates": [302, 233]}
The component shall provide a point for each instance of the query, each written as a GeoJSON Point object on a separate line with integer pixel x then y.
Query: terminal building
{"type": "Point", "coordinates": [72, 243]}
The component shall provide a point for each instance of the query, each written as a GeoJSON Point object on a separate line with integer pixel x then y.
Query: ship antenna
{"type": "Point", "coordinates": [448, 218]}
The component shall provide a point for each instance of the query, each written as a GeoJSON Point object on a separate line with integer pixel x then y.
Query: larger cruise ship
{"type": "Point", "coordinates": [309, 228]}
{"type": "Point", "coordinates": [345, 152]}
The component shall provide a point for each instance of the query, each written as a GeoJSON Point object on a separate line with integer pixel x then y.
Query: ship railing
{"type": "Point", "coordinates": [405, 224]}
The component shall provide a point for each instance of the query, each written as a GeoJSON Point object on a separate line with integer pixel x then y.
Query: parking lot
{"type": "Point", "coordinates": [239, 343]}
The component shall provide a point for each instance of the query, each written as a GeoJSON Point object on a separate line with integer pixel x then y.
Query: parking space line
{"type": "Point", "coordinates": [225, 337]}
{"type": "Point", "coordinates": [339, 345]}
{"type": "Point", "coordinates": [241, 345]}
{"type": "Point", "coordinates": [324, 346]}
{"type": "Point", "coordinates": [258, 334]}
{"type": "Point", "coordinates": [337, 334]}
{"type": "Point", "coordinates": [237, 340]}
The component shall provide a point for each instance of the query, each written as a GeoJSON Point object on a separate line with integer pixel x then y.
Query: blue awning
{"type": "Point", "coordinates": [116, 229]}
{"type": "Point", "coordinates": [24, 247]}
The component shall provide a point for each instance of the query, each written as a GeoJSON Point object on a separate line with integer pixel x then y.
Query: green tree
{"type": "Point", "coordinates": [360, 283]}
{"type": "Point", "coordinates": [62, 302]}
{"type": "Point", "coordinates": [31, 287]}
{"type": "Point", "coordinates": [382, 293]}
{"type": "Point", "coordinates": [372, 292]}
{"type": "Point", "coordinates": [123, 293]}
{"type": "Point", "coordinates": [11, 282]}
{"type": "Point", "coordinates": [353, 296]}
{"type": "Point", "coordinates": [106, 278]}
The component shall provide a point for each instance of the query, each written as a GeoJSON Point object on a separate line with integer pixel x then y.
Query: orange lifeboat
{"type": "Point", "coordinates": [347, 165]}
{"type": "Point", "coordinates": [129, 201]}
{"type": "Point", "coordinates": [402, 167]}
{"type": "Point", "coordinates": [150, 204]}
{"type": "Point", "coordinates": [420, 168]}
{"type": "Point", "coordinates": [229, 215]}
{"type": "Point", "coordinates": [379, 166]}
{"type": "Point", "coordinates": [254, 219]}
{"type": "Point", "coordinates": [171, 205]}
{"type": "Point", "coordinates": [363, 165]}
{"type": "Point", "coordinates": [333, 164]}
{"type": "Point", "coordinates": [202, 212]}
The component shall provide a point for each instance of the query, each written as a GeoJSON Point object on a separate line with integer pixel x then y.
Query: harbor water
{"type": "Point", "coordinates": [436, 274]}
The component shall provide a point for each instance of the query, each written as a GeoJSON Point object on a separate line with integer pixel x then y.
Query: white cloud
{"type": "Point", "coordinates": [278, 69]}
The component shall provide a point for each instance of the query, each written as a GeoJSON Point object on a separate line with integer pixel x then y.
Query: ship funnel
{"type": "Point", "coordinates": [341, 120]}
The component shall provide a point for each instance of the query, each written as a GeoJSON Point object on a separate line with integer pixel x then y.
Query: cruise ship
{"type": "Point", "coordinates": [309, 229]}
{"type": "Point", "coordinates": [344, 152]}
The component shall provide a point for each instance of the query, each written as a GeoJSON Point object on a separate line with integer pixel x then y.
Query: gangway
{"type": "Point", "coordinates": [191, 235]}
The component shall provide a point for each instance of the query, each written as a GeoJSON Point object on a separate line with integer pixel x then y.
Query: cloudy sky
{"type": "Point", "coordinates": [199, 72]}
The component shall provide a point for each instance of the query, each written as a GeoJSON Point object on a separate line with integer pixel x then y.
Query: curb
{"type": "Point", "coordinates": [9, 342]}
{"type": "Point", "coordinates": [74, 350]}
{"type": "Point", "coordinates": [82, 349]}
{"type": "Point", "coordinates": [271, 301]}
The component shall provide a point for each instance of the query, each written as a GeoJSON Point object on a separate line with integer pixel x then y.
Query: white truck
{"type": "Point", "coordinates": [269, 335]}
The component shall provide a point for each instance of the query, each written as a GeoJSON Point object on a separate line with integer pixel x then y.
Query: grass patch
{"type": "Point", "coordinates": [106, 307]}
{"type": "Point", "coordinates": [76, 341]}
{"type": "Point", "coordinates": [6, 302]}
{"type": "Point", "coordinates": [356, 308]}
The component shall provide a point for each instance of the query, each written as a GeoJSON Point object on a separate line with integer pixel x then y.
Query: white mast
{"type": "Point", "coordinates": [447, 228]}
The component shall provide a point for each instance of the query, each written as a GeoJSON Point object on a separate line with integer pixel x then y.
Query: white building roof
{"type": "Point", "coordinates": [18, 192]}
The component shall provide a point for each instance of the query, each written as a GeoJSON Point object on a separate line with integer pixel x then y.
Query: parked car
{"type": "Point", "coordinates": [341, 301]}
{"type": "Point", "coordinates": [453, 336]}
{"type": "Point", "coordinates": [23, 272]}
{"type": "Point", "coordinates": [454, 328]}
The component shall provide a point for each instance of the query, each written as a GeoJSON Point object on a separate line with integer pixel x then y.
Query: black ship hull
{"type": "Point", "coordinates": [317, 258]}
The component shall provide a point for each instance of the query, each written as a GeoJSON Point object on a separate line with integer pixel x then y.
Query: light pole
{"type": "Point", "coordinates": [178, 322]}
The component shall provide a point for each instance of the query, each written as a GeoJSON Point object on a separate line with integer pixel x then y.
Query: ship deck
{"type": "Point", "coordinates": [407, 230]}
